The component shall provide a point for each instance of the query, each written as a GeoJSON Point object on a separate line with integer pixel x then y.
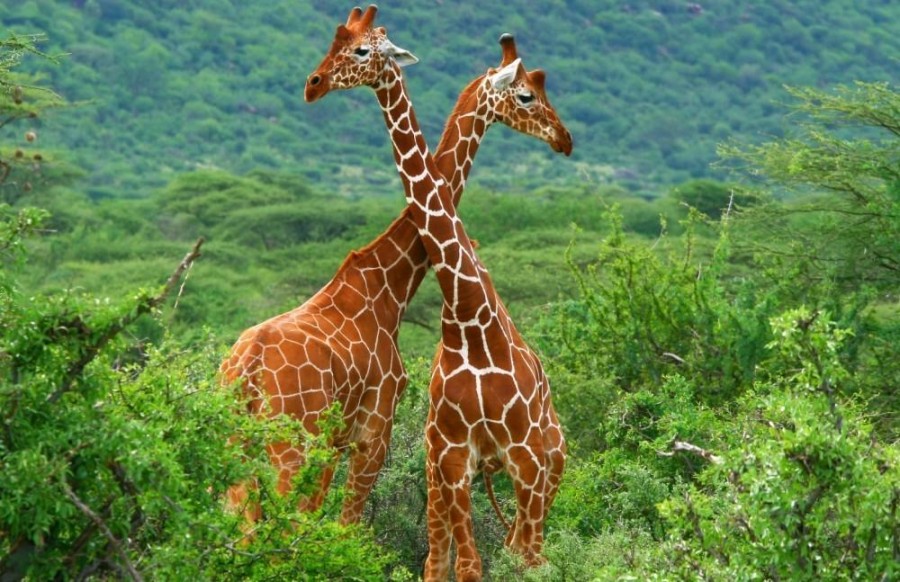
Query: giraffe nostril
{"type": "Point", "coordinates": [315, 80]}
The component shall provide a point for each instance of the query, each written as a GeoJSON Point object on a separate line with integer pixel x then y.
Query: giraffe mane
{"type": "Point", "coordinates": [469, 92]}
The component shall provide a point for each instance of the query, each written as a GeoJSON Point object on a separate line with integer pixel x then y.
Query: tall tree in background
{"type": "Point", "coordinates": [845, 161]}
{"type": "Point", "coordinates": [21, 99]}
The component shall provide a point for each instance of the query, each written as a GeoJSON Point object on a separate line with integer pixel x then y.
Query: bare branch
{"type": "Point", "coordinates": [112, 331]}
{"type": "Point", "coordinates": [678, 446]}
{"type": "Point", "coordinates": [678, 359]}
{"type": "Point", "coordinates": [101, 525]}
{"type": "Point", "coordinates": [186, 262]}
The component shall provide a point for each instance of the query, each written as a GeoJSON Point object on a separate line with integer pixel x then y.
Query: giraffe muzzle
{"type": "Point", "coordinates": [563, 143]}
{"type": "Point", "coordinates": [316, 87]}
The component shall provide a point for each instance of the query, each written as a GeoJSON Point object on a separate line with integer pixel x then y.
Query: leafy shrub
{"type": "Point", "coordinates": [713, 198]}
{"type": "Point", "coordinates": [805, 491]}
{"type": "Point", "coordinates": [620, 553]}
{"type": "Point", "coordinates": [115, 456]}
{"type": "Point", "coordinates": [643, 314]}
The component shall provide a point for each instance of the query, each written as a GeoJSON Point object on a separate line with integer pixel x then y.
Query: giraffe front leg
{"type": "Point", "coordinates": [238, 500]}
{"type": "Point", "coordinates": [554, 458]}
{"type": "Point", "coordinates": [451, 483]}
{"type": "Point", "coordinates": [287, 460]}
{"type": "Point", "coordinates": [437, 565]}
{"type": "Point", "coordinates": [529, 475]}
{"type": "Point", "coordinates": [555, 463]}
{"type": "Point", "coordinates": [317, 497]}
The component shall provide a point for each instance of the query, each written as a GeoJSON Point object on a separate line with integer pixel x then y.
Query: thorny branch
{"type": "Point", "coordinates": [101, 525]}
{"type": "Point", "coordinates": [112, 331]}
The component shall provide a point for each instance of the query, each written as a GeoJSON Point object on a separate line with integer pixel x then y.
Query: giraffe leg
{"type": "Point", "coordinates": [555, 461]}
{"type": "Point", "coordinates": [237, 499]}
{"type": "Point", "coordinates": [526, 537]}
{"type": "Point", "coordinates": [314, 501]}
{"type": "Point", "coordinates": [437, 565]}
{"type": "Point", "coordinates": [555, 458]}
{"type": "Point", "coordinates": [365, 463]}
{"type": "Point", "coordinates": [287, 459]}
{"type": "Point", "coordinates": [452, 479]}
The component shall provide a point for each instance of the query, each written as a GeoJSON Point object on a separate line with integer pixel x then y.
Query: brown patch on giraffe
{"type": "Point", "coordinates": [414, 166]}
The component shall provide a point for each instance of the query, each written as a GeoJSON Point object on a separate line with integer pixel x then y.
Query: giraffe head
{"type": "Point", "coordinates": [517, 98]}
{"type": "Point", "coordinates": [359, 55]}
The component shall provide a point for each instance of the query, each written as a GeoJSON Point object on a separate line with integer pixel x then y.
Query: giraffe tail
{"type": "Point", "coordinates": [489, 487]}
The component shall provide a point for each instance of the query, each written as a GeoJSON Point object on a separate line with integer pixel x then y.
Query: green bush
{"type": "Point", "coordinates": [805, 490]}
{"type": "Point", "coordinates": [713, 198]}
{"type": "Point", "coordinates": [116, 455]}
{"type": "Point", "coordinates": [645, 313]}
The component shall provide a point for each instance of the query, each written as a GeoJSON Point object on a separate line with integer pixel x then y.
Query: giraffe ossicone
{"type": "Point", "coordinates": [341, 344]}
{"type": "Point", "coordinates": [489, 398]}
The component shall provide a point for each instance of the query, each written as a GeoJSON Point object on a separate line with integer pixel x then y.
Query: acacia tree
{"type": "Point", "coordinates": [20, 100]}
{"type": "Point", "coordinates": [843, 169]}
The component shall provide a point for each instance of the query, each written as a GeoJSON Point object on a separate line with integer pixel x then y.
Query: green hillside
{"type": "Point", "coordinates": [647, 87]}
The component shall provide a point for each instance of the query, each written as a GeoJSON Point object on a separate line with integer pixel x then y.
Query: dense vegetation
{"type": "Point", "coordinates": [723, 355]}
{"type": "Point", "coordinates": [647, 87]}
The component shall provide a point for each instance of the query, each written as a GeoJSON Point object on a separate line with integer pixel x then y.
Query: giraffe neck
{"type": "Point", "coordinates": [462, 135]}
{"type": "Point", "coordinates": [397, 256]}
{"type": "Point", "coordinates": [465, 285]}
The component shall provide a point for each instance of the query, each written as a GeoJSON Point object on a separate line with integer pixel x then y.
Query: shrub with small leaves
{"type": "Point", "coordinates": [806, 490]}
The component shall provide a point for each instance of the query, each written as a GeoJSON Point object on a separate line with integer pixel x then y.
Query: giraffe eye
{"type": "Point", "coordinates": [525, 98]}
{"type": "Point", "coordinates": [361, 51]}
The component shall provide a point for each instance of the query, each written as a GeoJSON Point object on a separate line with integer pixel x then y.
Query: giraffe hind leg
{"type": "Point", "coordinates": [366, 461]}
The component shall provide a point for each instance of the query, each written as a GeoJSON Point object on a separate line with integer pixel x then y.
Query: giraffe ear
{"type": "Point", "coordinates": [503, 78]}
{"type": "Point", "coordinates": [402, 56]}
{"type": "Point", "coordinates": [538, 77]}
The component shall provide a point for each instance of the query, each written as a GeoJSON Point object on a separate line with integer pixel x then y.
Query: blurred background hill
{"type": "Point", "coordinates": [647, 87]}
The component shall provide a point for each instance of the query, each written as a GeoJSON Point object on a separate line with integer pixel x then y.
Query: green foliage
{"type": "Point", "coordinates": [14, 228]}
{"type": "Point", "coordinates": [644, 313]}
{"type": "Point", "coordinates": [806, 490]}
{"type": "Point", "coordinates": [649, 439]}
{"type": "Point", "coordinates": [847, 153]}
{"type": "Point", "coordinates": [21, 98]}
{"type": "Point", "coordinates": [207, 197]}
{"type": "Point", "coordinates": [712, 198]}
{"type": "Point", "coordinates": [115, 459]}
{"type": "Point", "coordinates": [617, 554]}
{"type": "Point", "coordinates": [622, 484]}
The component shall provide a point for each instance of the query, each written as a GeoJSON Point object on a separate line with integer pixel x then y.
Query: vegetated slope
{"type": "Point", "coordinates": [647, 87]}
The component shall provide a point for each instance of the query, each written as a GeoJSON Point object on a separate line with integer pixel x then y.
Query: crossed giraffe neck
{"type": "Point", "coordinates": [341, 344]}
{"type": "Point", "coordinates": [449, 248]}
{"type": "Point", "coordinates": [489, 398]}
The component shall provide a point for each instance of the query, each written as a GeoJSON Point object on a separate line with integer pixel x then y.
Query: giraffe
{"type": "Point", "coordinates": [341, 344]}
{"type": "Point", "coordinates": [489, 400]}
